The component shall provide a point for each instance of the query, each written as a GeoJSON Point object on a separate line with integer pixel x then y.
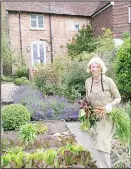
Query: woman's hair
{"type": "Point", "coordinates": [97, 60]}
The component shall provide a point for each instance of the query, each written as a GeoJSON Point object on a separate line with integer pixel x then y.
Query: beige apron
{"type": "Point", "coordinates": [104, 127]}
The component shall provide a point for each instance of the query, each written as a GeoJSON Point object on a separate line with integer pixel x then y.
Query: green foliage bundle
{"type": "Point", "coordinates": [83, 41]}
{"type": "Point", "coordinates": [85, 123]}
{"type": "Point", "coordinates": [122, 124]}
{"type": "Point", "coordinates": [14, 115]}
{"type": "Point", "coordinates": [123, 70]}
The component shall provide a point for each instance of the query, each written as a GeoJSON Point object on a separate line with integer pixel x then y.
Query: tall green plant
{"type": "Point", "coordinates": [83, 41]}
{"type": "Point", "coordinates": [105, 42]}
{"type": "Point", "coordinates": [123, 70]}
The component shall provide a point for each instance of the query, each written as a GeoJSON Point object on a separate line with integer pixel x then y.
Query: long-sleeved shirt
{"type": "Point", "coordinates": [109, 86]}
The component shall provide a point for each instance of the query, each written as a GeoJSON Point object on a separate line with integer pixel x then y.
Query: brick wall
{"type": "Point", "coordinates": [115, 17]}
{"type": "Point", "coordinates": [62, 33]}
{"type": "Point", "coordinates": [103, 19]}
{"type": "Point", "coordinates": [120, 18]}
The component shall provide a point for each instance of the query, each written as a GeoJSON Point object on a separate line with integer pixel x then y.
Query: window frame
{"type": "Point", "coordinates": [38, 51]}
{"type": "Point", "coordinates": [129, 14]}
{"type": "Point", "coordinates": [37, 28]}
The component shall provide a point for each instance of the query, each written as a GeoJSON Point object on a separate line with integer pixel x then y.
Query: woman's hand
{"type": "Point", "coordinates": [108, 108]}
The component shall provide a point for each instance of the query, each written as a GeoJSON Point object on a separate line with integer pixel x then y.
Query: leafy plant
{"type": "Point", "coordinates": [14, 150]}
{"type": "Point", "coordinates": [28, 132]}
{"type": "Point", "coordinates": [23, 78]}
{"type": "Point", "coordinates": [85, 123]}
{"type": "Point", "coordinates": [123, 72]}
{"type": "Point", "coordinates": [75, 78]}
{"type": "Point", "coordinates": [22, 72]}
{"type": "Point", "coordinates": [14, 115]}
{"type": "Point", "coordinates": [55, 158]}
{"type": "Point", "coordinates": [104, 42]}
{"type": "Point", "coordinates": [122, 124]}
{"type": "Point", "coordinates": [41, 127]}
{"type": "Point", "coordinates": [18, 81]}
{"type": "Point", "coordinates": [7, 78]}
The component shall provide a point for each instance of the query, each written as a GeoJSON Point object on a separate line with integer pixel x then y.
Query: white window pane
{"type": "Point", "coordinates": [33, 17]}
{"type": "Point", "coordinates": [40, 21]}
{"type": "Point", "coordinates": [41, 48]}
{"type": "Point", "coordinates": [33, 24]}
{"type": "Point", "coordinates": [35, 53]}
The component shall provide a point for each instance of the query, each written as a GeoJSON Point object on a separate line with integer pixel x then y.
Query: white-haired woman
{"type": "Point", "coordinates": [103, 94]}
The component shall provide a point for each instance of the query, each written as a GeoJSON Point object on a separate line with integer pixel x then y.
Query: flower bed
{"type": "Point", "coordinates": [45, 107]}
{"type": "Point", "coordinates": [56, 148]}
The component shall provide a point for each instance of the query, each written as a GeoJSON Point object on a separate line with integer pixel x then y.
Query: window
{"type": "Point", "coordinates": [38, 52]}
{"type": "Point", "coordinates": [76, 27]}
{"type": "Point", "coordinates": [129, 14]}
{"type": "Point", "coordinates": [36, 21]}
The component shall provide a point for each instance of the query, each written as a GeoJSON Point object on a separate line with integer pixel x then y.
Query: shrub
{"type": "Point", "coordinates": [26, 82]}
{"type": "Point", "coordinates": [14, 115]}
{"type": "Point", "coordinates": [21, 81]}
{"type": "Point", "coordinates": [23, 78]}
{"type": "Point", "coordinates": [18, 81]}
{"type": "Point", "coordinates": [123, 70]}
{"type": "Point", "coordinates": [76, 77]}
{"type": "Point", "coordinates": [22, 72]}
{"type": "Point", "coordinates": [7, 78]}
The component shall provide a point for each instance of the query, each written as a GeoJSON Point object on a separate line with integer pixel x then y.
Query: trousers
{"type": "Point", "coordinates": [103, 159]}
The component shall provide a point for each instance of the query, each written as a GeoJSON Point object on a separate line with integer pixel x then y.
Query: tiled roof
{"type": "Point", "coordinates": [66, 8]}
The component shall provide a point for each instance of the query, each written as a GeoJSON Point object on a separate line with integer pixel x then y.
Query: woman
{"type": "Point", "coordinates": [103, 94]}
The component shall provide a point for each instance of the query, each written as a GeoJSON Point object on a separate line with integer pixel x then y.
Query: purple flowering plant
{"type": "Point", "coordinates": [45, 107]}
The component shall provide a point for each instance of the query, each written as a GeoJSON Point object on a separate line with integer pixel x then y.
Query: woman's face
{"type": "Point", "coordinates": [95, 69]}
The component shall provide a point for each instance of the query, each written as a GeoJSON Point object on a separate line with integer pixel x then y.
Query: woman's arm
{"type": "Point", "coordinates": [115, 93]}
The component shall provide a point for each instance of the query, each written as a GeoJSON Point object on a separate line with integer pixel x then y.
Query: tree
{"type": "Point", "coordinates": [82, 42]}
{"type": "Point", "coordinates": [8, 58]}
{"type": "Point", "coordinates": [123, 70]}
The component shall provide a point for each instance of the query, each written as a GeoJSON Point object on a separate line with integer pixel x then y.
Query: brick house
{"type": "Point", "coordinates": [39, 31]}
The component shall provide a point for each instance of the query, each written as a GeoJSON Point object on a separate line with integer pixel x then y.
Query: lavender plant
{"type": "Point", "coordinates": [47, 107]}
{"type": "Point", "coordinates": [30, 97]}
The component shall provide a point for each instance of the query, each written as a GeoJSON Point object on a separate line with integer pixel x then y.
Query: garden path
{"type": "Point", "coordinates": [7, 89]}
{"type": "Point", "coordinates": [83, 137]}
